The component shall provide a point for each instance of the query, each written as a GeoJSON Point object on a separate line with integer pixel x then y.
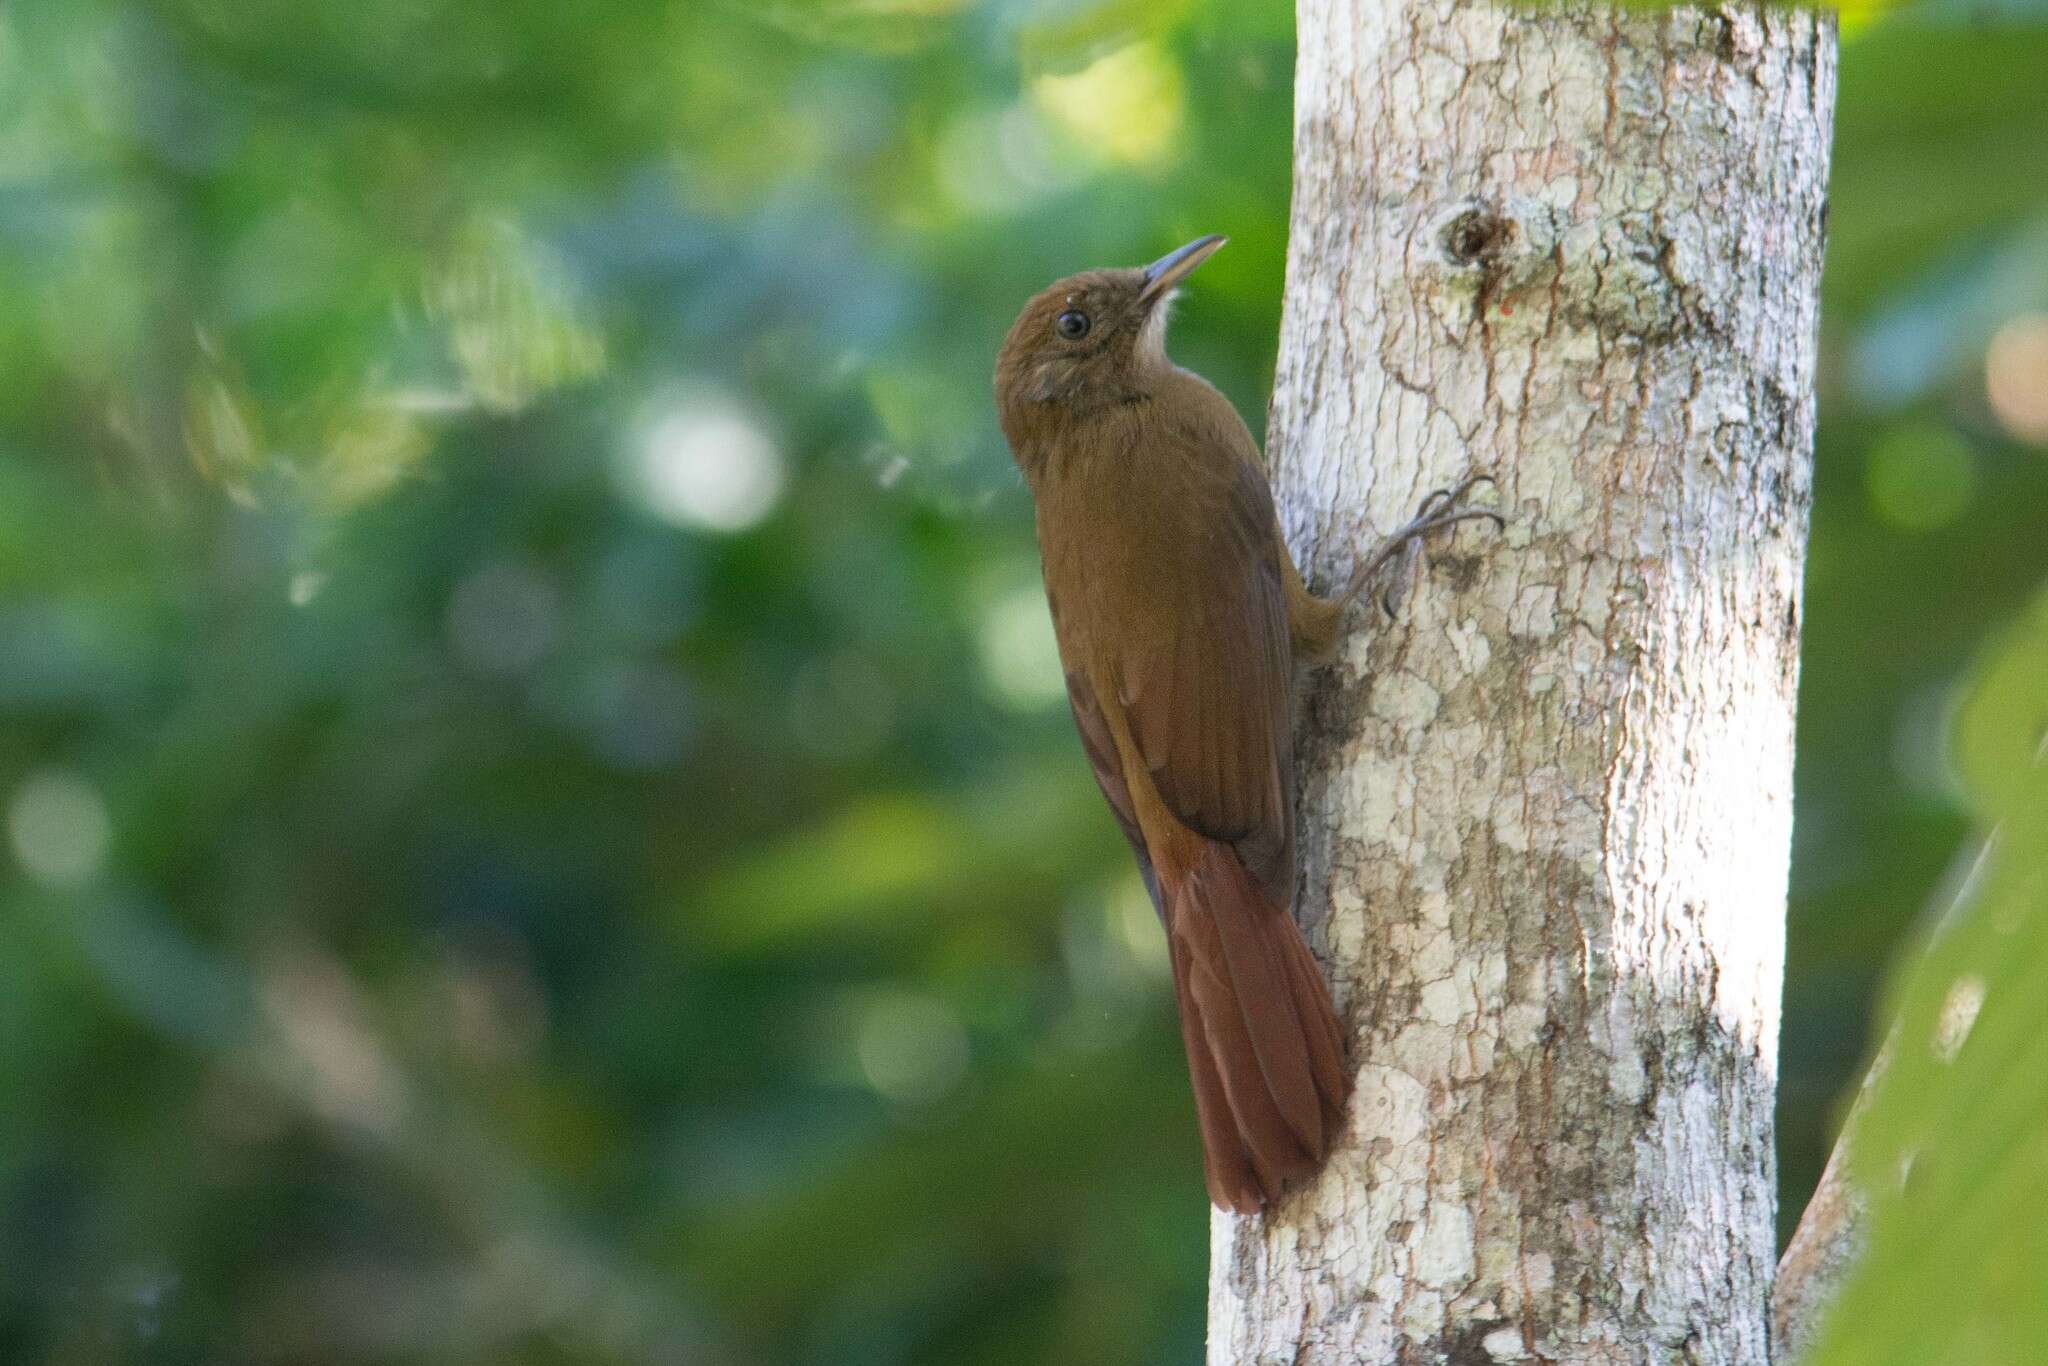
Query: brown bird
{"type": "Point", "coordinates": [1180, 615]}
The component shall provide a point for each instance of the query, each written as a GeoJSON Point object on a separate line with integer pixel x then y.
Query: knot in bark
{"type": "Point", "coordinates": [1477, 236]}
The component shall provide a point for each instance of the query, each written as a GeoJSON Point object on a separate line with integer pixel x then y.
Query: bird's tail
{"type": "Point", "coordinates": [1264, 1049]}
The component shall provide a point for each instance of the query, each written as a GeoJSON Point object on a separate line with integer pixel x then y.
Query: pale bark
{"type": "Point", "coordinates": [1546, 814]}
{"type": "Point", "coordinates": [1832, 1234]}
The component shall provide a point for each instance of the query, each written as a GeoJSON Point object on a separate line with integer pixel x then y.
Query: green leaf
{"type": "Point", "coordinates": [1954, 1147]}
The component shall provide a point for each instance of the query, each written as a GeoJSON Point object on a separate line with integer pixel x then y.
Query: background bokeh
{"type": "Point", "coordinates": [540, 824]}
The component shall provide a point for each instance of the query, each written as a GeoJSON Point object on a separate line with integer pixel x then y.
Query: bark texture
{"type": "Point", "coordinates": [1547, 813]}
{"type": "Point", "coordinates": [1832, 1234]}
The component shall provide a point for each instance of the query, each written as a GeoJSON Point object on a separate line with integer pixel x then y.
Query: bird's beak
{"type": "Point", "coordinates": [1169, 270]}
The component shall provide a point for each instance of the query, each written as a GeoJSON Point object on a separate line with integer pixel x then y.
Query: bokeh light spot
{"type": "Point", "coordinates": [59, 828]}
{"type": "Point", "coordinates": [637, 715]}
{"type": "Point", "coordinates": [912, 1048]}
{"type": "Point", "coordinates": [1920, 477]}
{"type": "Point", "coordinates": [304, 587]}
{"type": "Point", "coordinates": [1128, 105]}
{"type": "Point", "coordinates": [322, 1022]}
{"type": "Point", "coordinates": [1137, 923]}
{"type": "Point", "coordinates": [2016, 377]}
{"type": "Point", "coordinates": [1019, 656]}
{"type": "Point", "coordinates": [502, 619]}
{"type": "Point", "coordinates": [704, 462]}
{"type": "Point", "coordinates": [996, 161]}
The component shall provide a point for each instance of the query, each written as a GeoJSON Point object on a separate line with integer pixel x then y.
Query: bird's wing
{"type": "Point", "coordinates": [1200, 723]}
{"type": "Point", "coordinates": [1100, 745]}
{"type": "Point", "coordinates": [1207, 696]}
{"type": "Point", "coordinates": [1209, 692]}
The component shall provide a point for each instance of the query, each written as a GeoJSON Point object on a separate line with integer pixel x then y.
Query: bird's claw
{"type": "Point", "coordinates": [1452, 495]}
{"type": "Point", "coordinates": [1438, 510]}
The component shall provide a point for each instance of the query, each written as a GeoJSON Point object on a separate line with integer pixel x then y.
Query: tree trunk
{"type": "Point", "coordinates": [1547, 812]}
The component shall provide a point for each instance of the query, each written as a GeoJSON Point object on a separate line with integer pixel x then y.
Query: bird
{"type": "Point", "coordinates": [1180, 615]}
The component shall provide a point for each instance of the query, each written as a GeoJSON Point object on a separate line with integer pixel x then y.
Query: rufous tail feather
{"type": "Point", "coordinates": [1264, 1049]}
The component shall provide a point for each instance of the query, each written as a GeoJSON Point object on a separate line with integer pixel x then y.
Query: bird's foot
{"type": "Point", "coordinates": [1439, 511]}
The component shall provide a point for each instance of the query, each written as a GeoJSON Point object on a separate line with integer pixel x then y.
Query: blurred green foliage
{"type": "Point", "coordinates": [1954, 1145]}
{"type": "Point", "coordinates": [539, 825]}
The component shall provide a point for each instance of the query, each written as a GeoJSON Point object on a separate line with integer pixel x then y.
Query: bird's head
{"type": "Point", "coordinates": [1089, 341]}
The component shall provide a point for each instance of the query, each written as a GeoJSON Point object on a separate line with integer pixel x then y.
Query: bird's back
{"type": "Point", "coordinates": [1150, 508]}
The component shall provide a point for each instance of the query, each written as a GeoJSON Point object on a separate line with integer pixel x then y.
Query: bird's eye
{"type": "Point", "coordinates": [1072, 325]}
